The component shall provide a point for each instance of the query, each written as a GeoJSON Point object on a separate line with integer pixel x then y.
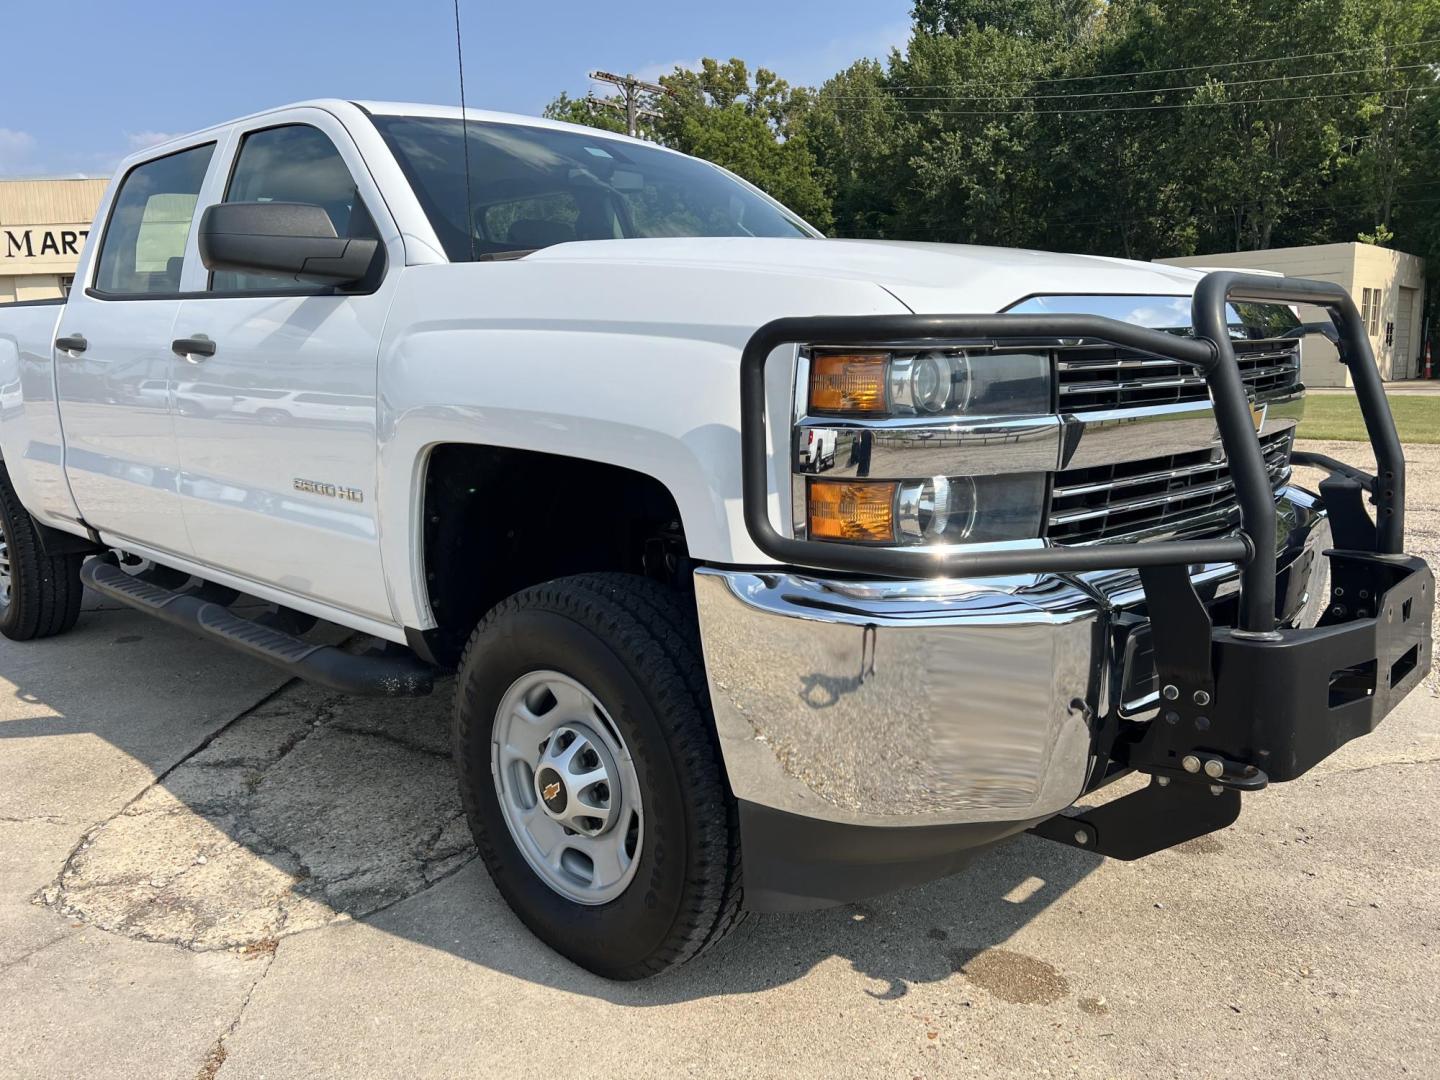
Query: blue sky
{"type": "Point", "coordinates": [86, 82]}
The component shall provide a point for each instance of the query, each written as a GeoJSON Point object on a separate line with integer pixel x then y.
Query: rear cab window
{"type": "Point", "coordinates": [143, 250]}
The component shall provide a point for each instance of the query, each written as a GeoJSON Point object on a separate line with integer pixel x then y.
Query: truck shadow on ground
{"type": "Point", "coordinates": [923, 935]}
{"type": "Point", "coordinates": [311, 809]}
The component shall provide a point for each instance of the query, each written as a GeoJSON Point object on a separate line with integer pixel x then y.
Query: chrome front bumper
{"type": "Point", "coordinates": [939, 703]}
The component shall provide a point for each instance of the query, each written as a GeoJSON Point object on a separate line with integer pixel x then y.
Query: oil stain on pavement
{"type": "Point", "coordinates": [1011, 976]}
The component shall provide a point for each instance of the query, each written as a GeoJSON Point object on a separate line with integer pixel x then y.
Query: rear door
{"type": "Point", "coordinates": [277, 429]}
{"type": "Point", "coordinates": [114, 383]}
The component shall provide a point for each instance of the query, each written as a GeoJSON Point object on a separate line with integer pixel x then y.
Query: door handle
{"type": "Point", "coordinates": [74, 343]}
{"type": "Point", "coordinates": [189, 348]}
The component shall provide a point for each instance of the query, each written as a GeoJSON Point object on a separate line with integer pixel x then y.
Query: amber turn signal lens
{"type": "Point", "coordinates": [848, 382]}
{"type": "Point", "coordinates": [863, 511]}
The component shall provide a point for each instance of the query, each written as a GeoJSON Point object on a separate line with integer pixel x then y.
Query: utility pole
{"type": "Point", "coordinates": [631, 88]}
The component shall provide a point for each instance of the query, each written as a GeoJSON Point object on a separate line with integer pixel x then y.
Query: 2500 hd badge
{"type": "Point", "coordinates": [332, 491]}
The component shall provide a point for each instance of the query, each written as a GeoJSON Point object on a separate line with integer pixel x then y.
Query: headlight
{"type": "Point", "coordinates": [931, 382]}
{"type": "Point", "coordinates": [938, 510]}
{"type": "Point", "coordinates": [927, 446]}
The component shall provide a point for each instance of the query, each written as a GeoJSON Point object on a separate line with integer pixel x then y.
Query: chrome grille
{"type": "Point", "coordinates": [1180, 495]}
{"type": "Point", "coordinates": [1102, 377]}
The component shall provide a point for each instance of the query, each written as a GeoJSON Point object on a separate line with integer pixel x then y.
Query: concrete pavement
{"type": "Point", "coordinates": [205, 873]}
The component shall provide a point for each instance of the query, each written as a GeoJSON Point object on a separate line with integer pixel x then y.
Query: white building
{"type": "Point", "coordinates": [1388, 287]}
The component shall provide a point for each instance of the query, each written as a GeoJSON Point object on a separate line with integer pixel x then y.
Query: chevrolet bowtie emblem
{"type": "Point", "coordinates": [551, 790]}
{"type": "Point", "coordinates": [1257, 416]}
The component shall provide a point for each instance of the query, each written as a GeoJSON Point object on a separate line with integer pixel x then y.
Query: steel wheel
{"type": "Point", "coordinates": [567, 787]}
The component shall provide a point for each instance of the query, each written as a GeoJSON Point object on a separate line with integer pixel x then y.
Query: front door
{"type": "Point", "coordinates": [277, 427]}
{"type": "Point", "coordinates": [114, 382]}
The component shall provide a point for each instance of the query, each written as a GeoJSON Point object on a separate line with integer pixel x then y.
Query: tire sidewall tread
{"type": "Point", "coordinates": [630, 641]}
{"type": "Point", "coordinates": [45, 590]}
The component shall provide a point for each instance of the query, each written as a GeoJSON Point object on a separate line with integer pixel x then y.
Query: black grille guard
{"type": "Point", "coordinates": [1239, 706]}
{"type": "Point", "coordinates": [1209, 351]}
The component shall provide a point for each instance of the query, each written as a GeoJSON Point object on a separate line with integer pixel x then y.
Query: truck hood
{"type": "Point", "coordinates": [927, 278]}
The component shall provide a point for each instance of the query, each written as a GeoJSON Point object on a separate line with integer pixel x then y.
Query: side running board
{"type": "Point", "coordinates": [365, 676]}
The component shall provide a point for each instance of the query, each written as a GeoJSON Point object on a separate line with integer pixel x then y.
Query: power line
{"type": "Point", "coordinates": [1287, 214]}
{"type": "Point", "coordinates": [1138, 108]}
{"type": "Point", "coordinates": [1154, 90]}
{"type": "Point", "coordinates": [630, 88]}
{"type": "Point", "coordinates": [1190, 67]}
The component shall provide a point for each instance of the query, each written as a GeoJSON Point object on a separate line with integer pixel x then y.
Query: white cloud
{"type": "Point", "coordinates": [142, 140]}
{"type": "Point", "coordinates": [15, 149]}
{"type": "Point", "coordinates": [825, 59]}
{"type": "Point", "coordinates": [652, 72]}
{"type": "Point", "coordinates": [811, 67]}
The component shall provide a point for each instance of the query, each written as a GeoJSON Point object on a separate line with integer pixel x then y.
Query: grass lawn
{"type": "Point", "coordinates": [1337, 416]}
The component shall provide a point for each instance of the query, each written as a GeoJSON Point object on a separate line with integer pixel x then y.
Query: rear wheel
{"type": "Point", "coordinates": [590, 774]}
{"type": "Point", "coordinates": [39, 593]}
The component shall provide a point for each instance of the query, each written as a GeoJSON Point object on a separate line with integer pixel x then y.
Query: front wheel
{"type": "Point", "coordinates": [39, 593]}
{"type": "Point", "coordinates": [590, 774]}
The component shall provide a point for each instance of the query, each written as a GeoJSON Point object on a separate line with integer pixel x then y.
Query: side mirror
{"type": "Point", "coordinates": [287, 239]}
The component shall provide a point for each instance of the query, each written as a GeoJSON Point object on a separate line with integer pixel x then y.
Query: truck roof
{"type": "Point", "coordinates": [385, 108]}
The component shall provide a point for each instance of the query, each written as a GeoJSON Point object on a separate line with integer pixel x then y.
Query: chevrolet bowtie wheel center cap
{"type": "Point", "coordinates": [567, 786]}
{"type": "Point", "coordinates": [552, 791]}
{"type": "Point", "coordinates": [575, 780]}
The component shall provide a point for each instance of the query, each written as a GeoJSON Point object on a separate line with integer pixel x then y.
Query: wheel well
{"type": "Point", "coordinates": [498, 520]}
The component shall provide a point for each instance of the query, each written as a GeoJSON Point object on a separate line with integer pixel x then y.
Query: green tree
{"type": "Point", "coordinates": [1034, 19]}
{"type": "Point", "coordinates": [857, 133]}
{"type": "Point", "coordinates": [749, 125]}
{"type": "Point", "coordinates": [589, 111]}
{"type": "Point", "coordinates": [1127, 127]}
{"type": "Point", "coordinates": [720, 112]}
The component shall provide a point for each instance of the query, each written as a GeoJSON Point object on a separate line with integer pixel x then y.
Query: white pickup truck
{"type": "Point", "coordinates": [776, 571]}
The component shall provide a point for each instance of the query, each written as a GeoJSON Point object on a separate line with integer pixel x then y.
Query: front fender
{"type": "Point", "coordinates": [606, 381]}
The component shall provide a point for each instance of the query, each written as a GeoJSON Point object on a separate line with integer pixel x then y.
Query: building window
{"type": "Point", "coordinates": [1371, 300]}
{"type": "Point", "coordinates": [66, 282]}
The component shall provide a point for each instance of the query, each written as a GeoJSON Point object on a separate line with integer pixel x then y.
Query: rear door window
{"type": "Point", "coordinates": [143, 251]}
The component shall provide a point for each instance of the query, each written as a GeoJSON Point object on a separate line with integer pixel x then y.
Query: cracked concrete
{"type": "Point", "coordinates": [1302, 941]}
{"type": "Point", "coordinates": [289, 819]}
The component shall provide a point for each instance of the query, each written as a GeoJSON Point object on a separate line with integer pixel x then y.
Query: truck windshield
{"type": "Point", "coordinates": [531, 187]}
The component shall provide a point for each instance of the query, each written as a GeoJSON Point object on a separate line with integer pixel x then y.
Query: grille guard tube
{"type": "Point", "coordinates": [1210, 351]}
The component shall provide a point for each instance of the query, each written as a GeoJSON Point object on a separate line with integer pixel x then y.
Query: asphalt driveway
{"type": "Point", "coordinates": [206, 871]}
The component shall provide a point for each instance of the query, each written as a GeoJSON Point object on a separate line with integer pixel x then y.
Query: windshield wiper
{"type": "Point", "coordinates": [504, 256]}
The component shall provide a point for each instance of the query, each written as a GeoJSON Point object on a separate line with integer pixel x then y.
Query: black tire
{"type": "Point", "coordinates": [45, 590]}
{"type": "Point", "coordinates": [635, 645]}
